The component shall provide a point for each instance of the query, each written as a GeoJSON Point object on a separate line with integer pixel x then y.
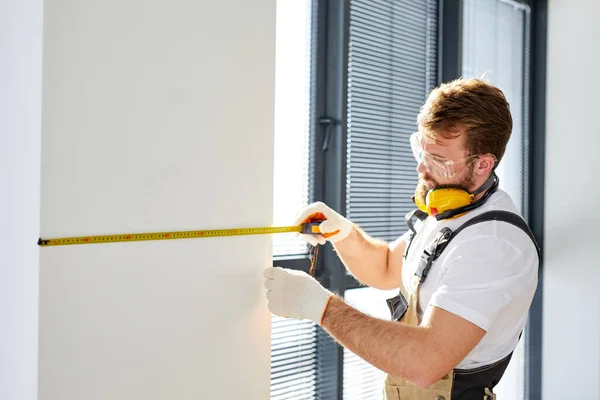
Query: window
{"type": "Point", "coordinates": [366, 66]}
{"type": "Point", "coordinates": [496, 41]}
{"type": "Point", "coordinates": [351, 77]}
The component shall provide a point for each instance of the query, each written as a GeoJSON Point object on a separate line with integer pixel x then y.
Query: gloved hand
{"type": "Point", "coordinates": [295, 294]}
{"type": "Point", "coordinates": [334, 228]}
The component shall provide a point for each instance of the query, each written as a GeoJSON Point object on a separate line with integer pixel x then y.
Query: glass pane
{"type": "Point", "coordinates": [361, 379]}
{"type": "Point", "coordinates": [496, 42]}
{"type": "Point", "coordinates": [293, 342]}
{"type": "Point", "coordinates": [292, 116]}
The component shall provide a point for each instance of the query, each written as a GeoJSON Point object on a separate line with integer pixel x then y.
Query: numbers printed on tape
{"type": "Point", "coordinates": [137, 237]}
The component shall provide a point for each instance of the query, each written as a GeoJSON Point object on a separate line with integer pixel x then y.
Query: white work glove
{"type": "Point", "coordinates": [295, 294]}
{"type": "Point", "coordinates": [335, 227]}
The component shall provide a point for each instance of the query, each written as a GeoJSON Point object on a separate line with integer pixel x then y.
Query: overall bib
{"type": "Point", "coordinates": [457, 384]}
{"type": "Point", "coordinates": [475, 384]}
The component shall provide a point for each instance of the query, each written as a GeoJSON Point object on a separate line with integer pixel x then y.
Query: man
{"type": "Point", "coordinates": [464, 320]}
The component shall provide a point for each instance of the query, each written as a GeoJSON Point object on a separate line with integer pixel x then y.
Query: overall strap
{"type": "Point", "coordinates": [408, 219]}
{"type": "Point", "coordinates": [504, 216]}
{"type": "Point", "coordinates": [434, 250]}
{"type": "Point", "coordinates": [445, 235]}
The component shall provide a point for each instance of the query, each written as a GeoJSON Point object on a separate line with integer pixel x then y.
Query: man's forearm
{"type": "Point", "coordinates": [395, 348]}
{"type": "Point", "coordinates": [365, 257]}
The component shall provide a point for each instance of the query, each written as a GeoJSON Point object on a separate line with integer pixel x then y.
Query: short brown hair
{"type": "Point", "coordinates": [473, 105]}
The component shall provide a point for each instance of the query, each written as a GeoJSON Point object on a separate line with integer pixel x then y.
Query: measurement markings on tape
{"type": "Point", "coordinates": [308, 228]}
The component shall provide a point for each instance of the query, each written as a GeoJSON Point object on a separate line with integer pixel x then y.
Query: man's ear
{"type": "Point", "coordinates": [485, 164]}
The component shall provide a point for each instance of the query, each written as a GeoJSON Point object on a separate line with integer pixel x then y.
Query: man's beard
{"type": "Point", "coordinates": [464, 183]}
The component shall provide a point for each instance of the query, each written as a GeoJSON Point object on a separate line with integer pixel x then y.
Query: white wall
{"type": "Point", "coordinates": [156, 116]}
{"type": "Point", "coordinates": [20, 102]}
{"type": "Point", "coordinates": [571, 341]}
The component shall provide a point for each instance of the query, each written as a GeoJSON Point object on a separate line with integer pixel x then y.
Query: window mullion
{"type": "Point", "coordinates": [537, 98]}
{"type": "Point", "coordinates": [330, 166]}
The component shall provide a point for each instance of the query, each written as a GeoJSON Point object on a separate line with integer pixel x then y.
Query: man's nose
{"type": "Point", "coordinates": [421, 168]}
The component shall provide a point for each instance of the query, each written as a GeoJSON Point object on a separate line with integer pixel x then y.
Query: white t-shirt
{"type": "Point", "coordinates": [487, 275]}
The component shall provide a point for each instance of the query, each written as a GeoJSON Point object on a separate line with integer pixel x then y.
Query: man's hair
{"type": "Point", "coordinates": [472, 105]}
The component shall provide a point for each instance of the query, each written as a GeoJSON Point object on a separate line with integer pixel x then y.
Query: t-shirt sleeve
{"type": "Point", "coordinates": [479, 278]}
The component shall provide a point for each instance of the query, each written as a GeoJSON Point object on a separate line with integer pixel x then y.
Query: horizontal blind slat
{"type": "Point", "coordinates": [293, 359]}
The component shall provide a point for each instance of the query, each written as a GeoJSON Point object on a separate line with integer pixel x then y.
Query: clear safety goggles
{"type": "Point", "coordinates": [439, 167]}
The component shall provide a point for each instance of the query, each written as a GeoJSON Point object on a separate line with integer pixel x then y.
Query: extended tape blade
{"type": "Point", "coordinates": [137, 237]}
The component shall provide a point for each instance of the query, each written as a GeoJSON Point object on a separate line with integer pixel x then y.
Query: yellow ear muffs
{"type": "Point", "coordinates": [439, 201]}
{"type": "Point", "coordinates": [449, 203]}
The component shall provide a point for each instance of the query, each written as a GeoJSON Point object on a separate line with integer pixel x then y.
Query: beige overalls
{"type": "Point", "coordinates": [400, 389]}
{"type": "Point", "coordinates": [457, 384]}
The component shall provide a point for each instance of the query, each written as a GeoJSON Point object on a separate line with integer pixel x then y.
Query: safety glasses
{"type": "Point", "coordinates": [439, 167]}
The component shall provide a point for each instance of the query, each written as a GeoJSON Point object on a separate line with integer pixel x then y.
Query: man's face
{"type": "Point", "coordinates": [452, 150]}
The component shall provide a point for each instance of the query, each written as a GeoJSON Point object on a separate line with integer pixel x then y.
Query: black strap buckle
{"type": "Point", "coordinates": [398, 306]}
{"type": "Point", "coordinates": [431, 253]}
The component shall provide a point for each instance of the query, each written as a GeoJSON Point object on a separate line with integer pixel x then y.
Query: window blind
{"type": "Point", "coordinates": [392, 67]}
{"type": "Point", "coordinates": [293, 359]}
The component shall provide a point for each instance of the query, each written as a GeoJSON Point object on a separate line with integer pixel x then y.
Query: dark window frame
{"type": "Point", "coordinates": [536, 189]}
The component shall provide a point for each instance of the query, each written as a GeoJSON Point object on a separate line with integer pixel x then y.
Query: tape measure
{"type": "Point", "coordinates": [307, 228]}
